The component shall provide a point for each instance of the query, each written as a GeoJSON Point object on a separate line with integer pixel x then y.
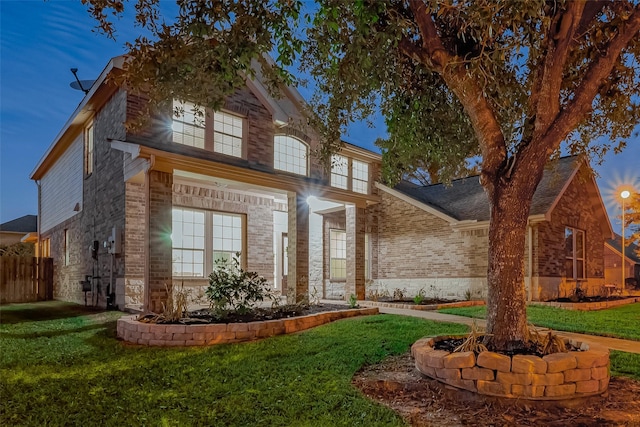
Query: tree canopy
{"type": "Point", "coordinates": [512, 82]}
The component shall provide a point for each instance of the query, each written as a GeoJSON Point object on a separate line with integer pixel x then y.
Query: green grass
{"type": "Point", "coordinates": [625, 364]}
{"type": "Point", "coordinates": [61, 365]}
{"type": "Point", "coordinates": [619, 322]}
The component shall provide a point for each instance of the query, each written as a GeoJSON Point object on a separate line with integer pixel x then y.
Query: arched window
{"type": "Point", "coordinates": [290, 154]}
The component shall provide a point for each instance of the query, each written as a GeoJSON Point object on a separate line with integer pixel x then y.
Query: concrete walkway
{"type": "Point", "coordinates": [612, 343]}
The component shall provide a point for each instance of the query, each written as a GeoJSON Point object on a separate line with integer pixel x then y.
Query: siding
{"type": "Point", "coordinates": [62, 187]}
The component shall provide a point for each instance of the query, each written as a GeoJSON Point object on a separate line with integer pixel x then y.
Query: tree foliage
{"type": "Point", "coordinates": [508, 81]}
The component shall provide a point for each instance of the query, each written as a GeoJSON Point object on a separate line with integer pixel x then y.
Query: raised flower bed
{"type": "Point", "coordinates": [557, 376]}
{"type": "Point", "coordinates": [159, 334]}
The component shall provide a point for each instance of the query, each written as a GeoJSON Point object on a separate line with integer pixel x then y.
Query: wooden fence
{"type": "Point", "coordinates": [25, 279]}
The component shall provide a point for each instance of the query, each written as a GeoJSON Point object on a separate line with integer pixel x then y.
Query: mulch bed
{"type": "Point", "coordinates": [424, 402]}
{"type": "Point", "coordinates": [204, 316]}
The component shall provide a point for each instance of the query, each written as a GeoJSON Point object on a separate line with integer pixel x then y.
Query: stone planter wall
{"type": "Point", "coordinates": [552, 377]}
{"type": "Point", "coordinates": [589, 306]}
{"type": "Point", "coordinates": [153, 334]}
{"type": "Point", "coordinates": [421, 307]}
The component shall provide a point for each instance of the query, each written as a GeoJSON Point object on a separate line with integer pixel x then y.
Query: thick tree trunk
{"type": "Point", "coordinates": [506, 304]}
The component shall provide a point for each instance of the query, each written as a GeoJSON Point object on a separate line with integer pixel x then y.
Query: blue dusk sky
{"type": "Point", "coordinates": [41, 42]}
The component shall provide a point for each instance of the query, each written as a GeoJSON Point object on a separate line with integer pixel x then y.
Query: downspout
{"type": "Point", "coordinates": [530, 272]}
{"type": "Point", "coordinates": [147, 237]}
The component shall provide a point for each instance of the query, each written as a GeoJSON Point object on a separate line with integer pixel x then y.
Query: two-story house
{"type": "Point", "coordinates": [127, 214]}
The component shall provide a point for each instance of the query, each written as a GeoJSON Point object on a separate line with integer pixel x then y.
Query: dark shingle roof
{"type": "Point", "coordinates": [630, 250]}
{"type": "Point", "coordinates": [465, 198]}
{"type": "Point", "coordinates": [24, 224]}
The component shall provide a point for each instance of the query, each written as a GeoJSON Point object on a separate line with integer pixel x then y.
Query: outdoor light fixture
{"type": "Point", "coordinates": [624, 195]}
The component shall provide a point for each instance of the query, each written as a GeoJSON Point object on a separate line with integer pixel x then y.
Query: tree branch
{"type": "Point", "coordinates": [449, 66]}
{"type": "Point", "coordinates": [561, 37]}
{"type": "Point", "coordinates": [577, 109]}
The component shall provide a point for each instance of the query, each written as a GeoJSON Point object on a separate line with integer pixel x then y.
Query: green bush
{"type": "Point", "coordinates": [233, 289]}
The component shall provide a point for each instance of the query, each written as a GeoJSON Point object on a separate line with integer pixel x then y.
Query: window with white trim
{"type": "Point", "coordinates": [574, 241]}
{"type": "Point", "coordinates": [88, 150]}
{"type": "Point", "coordinates": [202, 237]}
{"type": "Point", "coordinates": [290, 154]}
{"type": "Point", "coordinates": [337, 254]}
{"type": "Point", "coordinates": [227, 134]}
{"type": "Point", "coordinates": [360, 176]}
{"type": "Point", "coordinates": [339, 171]}
{"type": "Point", "coordinates": [188, 126]}
{"type": "Point", "coordinates": [227, 237]}
{"type": "Point", "coordinates": [188, 237]}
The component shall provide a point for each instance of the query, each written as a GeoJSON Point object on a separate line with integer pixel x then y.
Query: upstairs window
{"type": "Point", "coordinates": [88, 150]}
{"type": "Point", "coordinates": [227, 134]}
{"type": "Point", "coordinates": [188, 126]}
{"type": "Point", "coordinates": [360, 177]}
{"type": "Point", "coordinates": [338, 255]}
{"type": "Point", "coordinates": [290, 154]}
{"type": "Point", "coordinates": [574, 253]}
{"type": "Point", "coordinates": [339, 171]}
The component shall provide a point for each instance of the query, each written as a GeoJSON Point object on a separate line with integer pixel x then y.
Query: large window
{"type": "Point", "coordinates": [188, 125]}
{"type": "Point", "coordinates": [290, 154]}
{"type": "Point", "coordinates": [360, 176]}
{"type": "Point", "coordinates": [227, 134]}
{"type": "Point", "coordinates": [88, 150]}
{"type": "Point", "coordinates": [574, 253]}
{"type": "Point", "coordinates": [202, 237]}
{"type": "Point", "coordinates": [338, 255]}
{"type": "Point", "coordinates": [339, 171]}
{"type": "Point", "coordinates": [188, 242]}
{"type": "Point", "coordinates": [227, 236]}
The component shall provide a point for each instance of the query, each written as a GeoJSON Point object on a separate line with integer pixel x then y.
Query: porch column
{"type": "Point", "coordinates": [355, 219]}
{"type": "Point", "coordinates": [159, 252]}
{"type": "Point", "coordinates": [298, 251]}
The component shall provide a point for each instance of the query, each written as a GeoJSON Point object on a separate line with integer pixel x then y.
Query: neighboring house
{"type": "Point", "coordinates": [22, 229]}
{"type": "Point", "coordinates": [133, 213]}
{"type": "Point", "coordinates": [612, 262]}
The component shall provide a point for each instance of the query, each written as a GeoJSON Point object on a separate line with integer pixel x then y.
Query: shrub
{"type": "Point", "coordinates": [232, 288]}
{"type": "Point", "coordinates": [419, 297]}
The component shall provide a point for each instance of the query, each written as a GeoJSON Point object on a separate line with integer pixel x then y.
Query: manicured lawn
{"type": "Point", "coordinates": [60, 365]}
{"type": "Point", "coordinates": [619, 322]}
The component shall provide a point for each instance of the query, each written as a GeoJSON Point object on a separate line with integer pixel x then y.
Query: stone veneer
{"type": "Point", "coordinates": [553, 377]}
{"type": "Point", "coordinates": [154, 334]}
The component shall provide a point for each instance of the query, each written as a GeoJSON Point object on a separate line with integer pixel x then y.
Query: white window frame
{"type": "Point", "coordinates": [228, 133]}
{"type": "Point", "coordinates": [188, 127]}
{"type": "Point", "coordinates": [359, 176]}
{"type": "Point", "coordinates": [188, 242]}
{"type": "Point", "coordinates": [573, 255]}
{"type": "Point", "coordinates": [340, 171]}
{"type": "Point", "coordinates": [89, 149]}
{"type": "Point", "coordinates": [210, 237]}
{"type": "Point", "coordinates": [290, 155]}
{"type": "Point", "coordinates": [337, 254]}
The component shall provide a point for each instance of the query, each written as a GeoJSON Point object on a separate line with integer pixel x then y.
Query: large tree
{"type": "Point", "coordinates": [511, 81]}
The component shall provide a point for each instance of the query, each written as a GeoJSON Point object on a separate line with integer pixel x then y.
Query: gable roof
{"type": "Point", "coordinates": [465, 199]}
{"type": "Point", "coordinates": [24, 224]}
{"type": "Point", "coordinates": [630, 249]}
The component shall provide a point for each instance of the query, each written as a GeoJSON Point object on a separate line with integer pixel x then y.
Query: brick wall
{"type": "Point", "coordinates": [579, 208]}
{"type": "Point", "coordinates": [101, 210]}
